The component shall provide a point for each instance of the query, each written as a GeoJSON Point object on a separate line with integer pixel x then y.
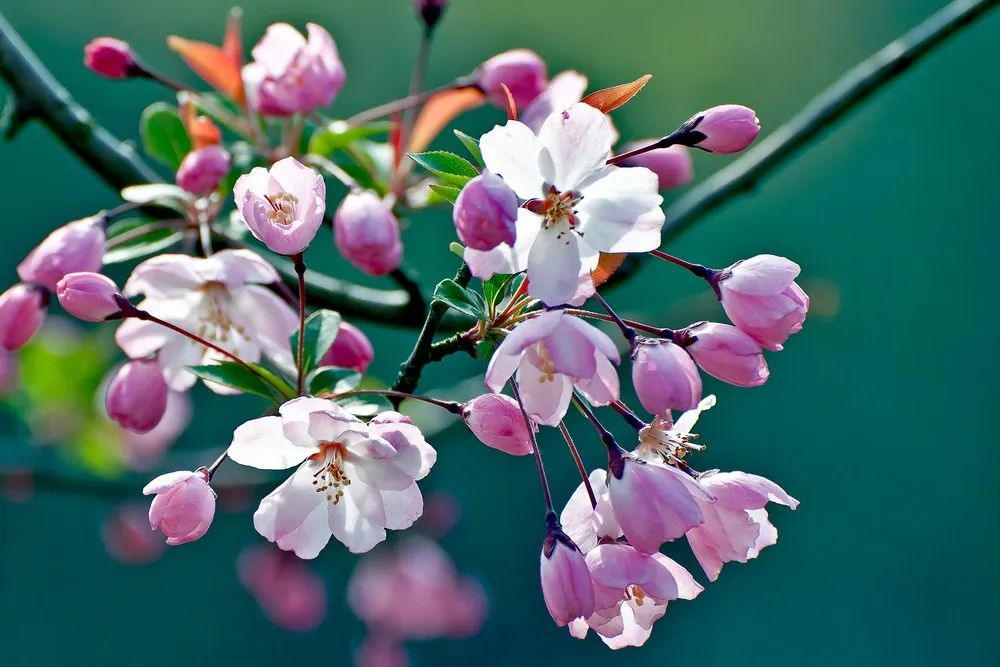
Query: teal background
{"type": "Point", "coordinates": [875, 417]}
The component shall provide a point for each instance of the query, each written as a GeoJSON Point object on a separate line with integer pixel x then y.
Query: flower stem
{"type": "Point", "coordinates": [300, 271]}
{"type": "Point", "coordinates": [606, 436]}
{"type": "Point", "coordinates": [534, 448]}
{"type": "Point", "coordinates": [215, 464]}
{"type": "Point", "coordinates": [579, 463]}
{"type": "Point", "coordinates": [697, 269]}
{"type": "Point", "coordinates": [627, 331]}
{"type": "Point", "coordinates": [660, 143]}
{"type": "Point", "coordinates": [408, 102]}
{"type": "Point", "coordinates": [451, 406]}
{"type": "Point", "coordinates": [633, 419]}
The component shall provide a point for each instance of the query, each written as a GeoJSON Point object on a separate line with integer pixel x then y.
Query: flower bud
{"type": "Point", "coordinates": [77, 246]}
{"type": "Point", "coordinates": [430, 11]}
{"type": "Point", "coordinates": [672, 165]}
{"type": "Point", "coordinates": [664, 376]}
{"type": "Point", "coordinates": [367, 233]}
{"type": "Point", "coordinates": [566, 584]}
{"type": "Point", "coordinates": [727, 353]}
{"type": "Point", "coordinates": [282, 206]}
{"type": "Point", "coordinates": [137, 396]}
{"type": "Point", "coordinates": [762, 299]}
{"type": "Point", "coordinates": [202, 170]}
{"type": "Point", "coordinates": [22, 311]}
{"type": "Point", "coordinates": [521, 70]}
{"type": "Point", "coordinates": [89, 296]}
{"type": "Point", "coordinates": [728, 128]}
{"type": "Point", "coordinates": [184, 505]}
{"type": "Point", "coordinates": [110, 57]}
{"type": "Point", "coordinates": [350, 349]}
{"type": "Point", "coordinates": [497, 420]}
{"type": "Point", "coordinates": [485, 212]}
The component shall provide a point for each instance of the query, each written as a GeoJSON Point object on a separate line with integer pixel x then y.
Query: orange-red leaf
{"type": "Point", "coordinates": [511, 104]}
{"type": "Point", "coordinates": [610, 99]}
{"type": "Point", "coordinates": [440, 110]}
{"type": "Point", "coordinates": [606, 266]}
{"type": "Point", "coordinates": [212, 64]}
{"type": "Point", "coordinates": [202, 131]}
{"type": "Point", "coordinates": [232, 42]}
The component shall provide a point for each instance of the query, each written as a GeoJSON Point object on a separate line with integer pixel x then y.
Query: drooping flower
{"type": "Point", "coordinates": [497, 420]}
{"type": "Point", "coordinates": [550, 354]}
{"type": "Point", "coordinates": [588, 525]}
{"type": "Point", "coordinates": [354, 480]}
{"type": "Point", "coordinates": [761, 298]}
{"type": "Point", "coordinates": [290, 74]}
{"type": "Point", "coordinates": [672, 165]}
{"type": "Point", "coordinates": [351, 349]}
{"type": "Point", "coordinates": [137, 396]}
{"type": "Point", "coordinates": [289, 593]}
{"type": "Point", "coordinates": [485, 212]}
{"type": "Point", "coordinates": [221, 298]}
{"type": "Point", "coordinates": [91, 297]}
{"type": "Point", "coordinates": [521, 70]}
{"type": "Point", "coordinates": [576, 205]}
{"type": "Point", "coordinates": [367, 233]}
{"type": "Point", "coordinates": [22, 312]}
{"type": "Point", "coordinates": [282, 206]}
{"type": "Point", "coordinates": [110, 57]}
{"type": "Point", "coordinates": [201, 170]}
{"type": "Point", "coordinates": [727, 353]}
{"type": "Point", "coordinates": [664, 376]}
{"type": "Point", "coordinates": [736, 526]}
{"type": "Point", "coordinates": [566, 584]}
{"type": "Point", "coordinates": [669, 441]}
{"type": "Point", "coordinates": [184, 505]}
{"type": "Point", "coordinates": [74, 247]}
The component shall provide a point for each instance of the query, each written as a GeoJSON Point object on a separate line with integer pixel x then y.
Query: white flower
{"type": "Point", "coordinates": [222, 299]}
{"type": "Point", "coordinates": [577, 204]}
{"type": "Point", "coordinates": [354, 480]}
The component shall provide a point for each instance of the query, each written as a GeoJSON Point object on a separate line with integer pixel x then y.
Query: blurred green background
{"type": "Point", "coordinates": [875, 416]}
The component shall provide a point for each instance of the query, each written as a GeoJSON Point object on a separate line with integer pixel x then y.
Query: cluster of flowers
{"type": "Point", "coordinates": [551, 202]}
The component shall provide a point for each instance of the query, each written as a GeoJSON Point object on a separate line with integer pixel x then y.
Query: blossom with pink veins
{"type": "Point", "coordinates": [762, 299]}
{"type": "Point", "coordinates": [282, 206]}
{"type": "Point", "coordinates": [577, 204]}
{"type": "Point", "coordinates": [354, 480]}
{"type": "Point", "coordinates": [222, 298]}
{"type": "Point", "coordinates": [549, 355]}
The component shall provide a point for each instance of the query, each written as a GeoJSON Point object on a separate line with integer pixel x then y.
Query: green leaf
{"type": "Point", "coordinates": [496, 288]}
{"type": "Point", "coordinates": [471, 144]}
{"type": "Point", "coordinates": [450, 168]}
{"type": "Point", "coordinates": [461, 299]}
{"type": "Point", "coordinates": [129, 240]}
{"type": "Point", "coordinates": [327, 380]}
{"type": "Point", "coordinates": [444, 193]}
{"type": "Point", "coordinates": [163, 134]}
{"type": "Point", "coordinates": [338, 136]}
{"type": "Point", "coordinates": [367, 405]}
{"type": "Point", "coordinates": [321, 330]}
{"type": "Point", "coordinates": [279, 386]}
{"type": "Point", "coordinates": [232, 374]}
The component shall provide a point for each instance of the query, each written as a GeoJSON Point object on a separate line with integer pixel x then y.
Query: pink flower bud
{"type": "Point", "coordinates": [283, 206]}
{"type": "Point", "coordinates": [137, 396]}
{"type": "Point", "coordinates": [762, 299]}
{"type": "Point", "coordinates": [89, 296]}
{"type": "Point", "coordinates": [184, 505]}
{"type": "Point", "coordinates": [727, 353]}
{"type": "Point", "coordinates": [485, 212]}
{"type": "Point", "coordinates": [110, 57]}
{"type": "Point", "coordinates": [77, 246]}
{"type": "Point", "coordinates": [521, 70]}
{"type": "Point", "coordinates": [672, 165]}
{"type": "Point", "coordinates": [350, 349]}
{"type": "Point", "coordinates": [497, 420]}
{"type": "Point", "coordinates": [566, 584]}
{"type": "Point", "coordinates": [202, 170]}
{"type": "Point", "coordinates": [367, 233]}
{"type": "Point", "coordinates": [664, 376]}
{"type": "Point", "coordinates": [728, 128]}
{"type": "Point", "coordinates": [22, 311]}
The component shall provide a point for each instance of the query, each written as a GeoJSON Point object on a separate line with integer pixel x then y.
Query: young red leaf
{"type": "Point", "coordinates": [609, 99]}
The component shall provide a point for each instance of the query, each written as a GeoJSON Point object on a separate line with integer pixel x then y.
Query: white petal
{"type": "Point", "coordinates": [511, 152]}
{"type": "Point", "coordinates": [545, 400]}
{"type": "Point", "coordinates": [504, 258]}
{"type": "Point", "coordinates": [140, 339]}
{"type": "Point", "coordinates": [620, 211]}
{"type": "Point", "coordinates": [164, 275]}
{"type": "Point", "coordinates": [261, 443]}
{"type": "Point", "coordinates": [402, 508]}
{"type": "Point", "coordinates": [564, 90]}
{"type": "Point", "coordinates": [575, 143]}
{"type": "Point", "coordinates": [358, 520]}
{"type": "Point", "coordinates": [167, 481]}
{"type": "Point", "coordinates": [686, 421]}
{"type": "Point", "coordinates": [554, 265]}
{"type": "Point", "coordinates": [295, 516]}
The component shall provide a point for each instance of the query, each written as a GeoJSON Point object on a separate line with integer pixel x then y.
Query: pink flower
{"type": "Point", "coordinates": [127, 537]}
{"type": "Point", "coordinates": [223, 298]}
{"type": "Point", "coordinates": [137, 396]}
{"type": "Point", "coordinates": [736, 526]}
{"type": "Point", "coordinates": [78, 246]}
{"type": "Point", "coordinates": [351, 349]}
{"type": "Point", "coordinates": [184, 505]}
{"type": "Point", "coordinates": [727, 353]}
{"type": "Point", "coordinates": [521, 70]}
{"type": "Point", "coordinates": [631, 590]}
{"type": "Point", "coordinates": [552, 353]}
{"type": "Point", "coordinates": [728, 128]}
{"type": "Point", "coordinates": [354, 480]}
{"type": "Point", "coordinates": [203, 169]}
{"type": "Point", "coordinates": [144, 450]}
{"type": "Point", "coordinates": [110, 57]}
{"type": "Point", "coordinates": [497, 420]}
{"type": "Point", "coordinates": [22, 312]}
{"type": "Point", "coordinates": [566, 585]}
{"type": "Point", "coordinates": [576, 205]}
{"type": "Point", "coordinates": [588, 525]}
{"type": "Point", "coordinates": [89, 296]}
{"type": "Point", "coordinates": [672, 165]}
{"type": "Point", "coordinates": [667, 441]}
{"type": "Point", "coordinates": [290, 594]}
{"type": "Point", "coordinates": [291, 75]}
{"type": "Point", "coordinates": [283, 206]}
{"type": "Point", "coordinates": [761, 298]}
{"type": "Point", "coordinates": [664, 376]}
{"type": "Point", "coordinates": [485, 212]}
{"type": "Point", "coordinates": [367, 233]}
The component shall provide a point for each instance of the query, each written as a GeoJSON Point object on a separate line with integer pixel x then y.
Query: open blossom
{"type": "Point", "coordinates": [201, 170]}
{"type": "Point", "coordinates": [521, 70]}
{"type": "Point", "coordinates": [367, 233]}
{"type": "Point", "coordinates": [666, 440]}
{"type": "Point", "coordinates": [631, 592]}
{"type": "Point", "coordinates": [664, 376]}
{"type": "Point", "coordinates": [283, 206]}
{"type": "Point", "coordinates": [137, 396]}
{"type": "Point", "coordinates": [761, 298]}
{"type": "Point", "coordinates": [88, 296]}
{"type": "Point", "coordinates": [351, 349]}
{"type": "Point", "coordinates": [497, 420]}
{"type": "Point", "coordinates": [354, 480]}
{"type": "Point", "coordinates": [551, 354]}
{"type": "Point", "coordinates": [77, 246]}
{"type": "Point", "coordinates": [221, 298]}
{"type": "Point", "coordinates": [566, 584]}
{"type": "Point", "coordinates": [576, 205]}
{"type": "Point", "coordinates": [290, 74]}
{"type": "Point", "coordinates": [736, 526]}
{"type": "Point", "coordinates": [727, 353]}
{"type": "Point", "coordinates": [184, 505]}
{"type": "Point", "coordinates": [672, 165]}
{"type": "Point", "coordinates": [289, 593]}
{"type": "Point", "coordinates": [587, 525]}
{"type": "Point", "coordinates": [485, 212]}
{"type": "Point", "coordinates": [22, 312]}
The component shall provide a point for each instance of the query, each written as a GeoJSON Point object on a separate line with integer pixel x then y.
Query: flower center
{"type": "Point", "coordinates": [214, 323]}
{"type": "Point", "coordinates": [636, 594]}
{"type": "Point", "coordinates": [659, 439]}
{"type": "Point", "coordinates": [282, 208]}
{"type": "Point", "coordinates": [330, 479]}
{"type": "Point", "coordinates": [556, 208]}
{"type": "Point", "coordinates": [543, 361]}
